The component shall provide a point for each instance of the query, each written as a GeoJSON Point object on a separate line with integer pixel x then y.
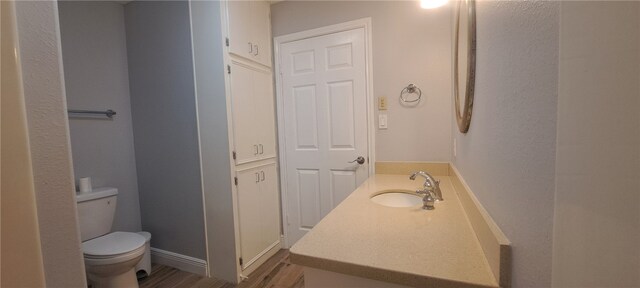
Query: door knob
{"type": "Point", "coordinates": [360, 160]}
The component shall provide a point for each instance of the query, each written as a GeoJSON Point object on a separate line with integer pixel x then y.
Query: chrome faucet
{"type": "Point", "coordinates": [430, 185]}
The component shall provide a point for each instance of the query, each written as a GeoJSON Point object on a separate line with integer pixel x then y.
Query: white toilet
{"type": "Point", "coordinates": [110, 258]}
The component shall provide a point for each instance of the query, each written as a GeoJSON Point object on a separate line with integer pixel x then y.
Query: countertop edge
{"type": "Point", "coordinates": [379, 274]}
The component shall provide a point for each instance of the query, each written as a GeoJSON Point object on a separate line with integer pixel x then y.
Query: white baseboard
{"type": "Point", "coordinates": [179, 261]}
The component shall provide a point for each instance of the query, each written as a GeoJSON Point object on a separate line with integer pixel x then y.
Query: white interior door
{"type": "Point", "coordinates": [324, 100]}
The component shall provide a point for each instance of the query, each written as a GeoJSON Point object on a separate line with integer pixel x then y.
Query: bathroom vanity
{"type": "Point", "coordinates": [365, 244]}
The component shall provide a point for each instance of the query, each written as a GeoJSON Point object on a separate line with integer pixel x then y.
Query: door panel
{"type": "Point", "coordinates": [341, 115]}
{"type": "Point", "coordinates": [303, 62]}
{"type": "Point", "coordinates": [306, 120]}
{"type": "Point", "coordinates": [325, 124]}
{"type": "Point", "coordinates": [339, 56]}
{"type": "Point", "coordinates": [308, 181]}
{"type": "Point", "coordinates": [343, 182]}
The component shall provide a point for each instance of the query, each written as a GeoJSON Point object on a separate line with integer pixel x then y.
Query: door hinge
{"type": "Point", "coordinates": [229, 69]}
{"type": "Point", "coordinates": [226, 41]}
{"type": "Point", "coordinates": [240, 260]}
{"type": "Point", "coordinates": [234, 155]}
{"type": "Point", "coordinates": [235, 180]}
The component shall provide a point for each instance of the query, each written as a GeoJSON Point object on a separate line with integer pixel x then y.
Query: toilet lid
{"type": "Point", "coordinates": [113, 244]}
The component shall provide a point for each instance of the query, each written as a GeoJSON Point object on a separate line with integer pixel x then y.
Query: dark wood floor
{"type": "Point", "coordinates": [277, 272]}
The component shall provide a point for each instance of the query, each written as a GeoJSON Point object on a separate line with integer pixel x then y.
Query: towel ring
{"type": "Point", "coordinates": [411, 89]}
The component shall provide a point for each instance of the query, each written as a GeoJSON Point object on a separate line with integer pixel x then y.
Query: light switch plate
{"type": "Point", "coordinates": [382, 103]}
{"type": "Point", "coordinates": [382, 121]}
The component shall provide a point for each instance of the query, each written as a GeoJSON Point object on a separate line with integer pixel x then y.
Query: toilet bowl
{"type": "Point", "coordinates": [110, 259]}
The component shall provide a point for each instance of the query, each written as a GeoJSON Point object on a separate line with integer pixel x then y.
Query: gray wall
{"type": "Point", "coordinates": [410, 45]}
{"type": "Point", "coordinates": [164, 125]}
{"type": "Point", "coordinates": [96, 77]}
{"type": "Point", "coordinates": [44, 93]}
{"type": "Point", "coordinates": [508, 155]}
{"type": "Point", "coordinates": [597, 208]}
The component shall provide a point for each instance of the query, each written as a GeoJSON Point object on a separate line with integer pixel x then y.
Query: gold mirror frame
{"type": "Point", "coordinates": [464, 117]}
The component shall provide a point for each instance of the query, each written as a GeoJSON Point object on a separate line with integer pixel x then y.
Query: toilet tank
{"type": "Point", "coordinates": [95, 212]}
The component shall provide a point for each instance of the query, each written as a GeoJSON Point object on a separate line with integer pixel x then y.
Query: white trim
{"type": "Point", "coordinates": [364, 23]}
{"type": "Point", "coordinates": [179, 261]}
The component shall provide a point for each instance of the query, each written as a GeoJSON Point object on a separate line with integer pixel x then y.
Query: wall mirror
{"type": "Point", "coordinates": [464, 61]}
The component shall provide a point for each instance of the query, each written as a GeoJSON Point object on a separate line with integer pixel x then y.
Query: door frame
{"type": "Point", "coordinates": [364, 23]}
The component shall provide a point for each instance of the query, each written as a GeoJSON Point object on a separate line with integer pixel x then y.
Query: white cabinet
{"type": "Point", "coordinates": [236, 123]}
{"type": "Point", "coordinates": [250, 92]}
{"type": "Point", "coordinates": [252, 112]}
{"type": "Point", "coordinates": [250, 30]}
{"type": "Point", "coordinates": [258, 212]}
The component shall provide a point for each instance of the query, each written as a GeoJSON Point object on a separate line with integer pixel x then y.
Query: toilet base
{"type": "Point", "coordinates": [126, 280]}
{"type": "Point", "coordinates": [122, 274]}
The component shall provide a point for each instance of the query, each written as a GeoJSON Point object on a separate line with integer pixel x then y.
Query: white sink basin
{"type": "Point", "coordinates": [398, 198]}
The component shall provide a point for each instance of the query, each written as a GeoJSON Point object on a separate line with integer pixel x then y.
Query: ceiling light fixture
{"type": "Point", "coordinates": [430, 4]}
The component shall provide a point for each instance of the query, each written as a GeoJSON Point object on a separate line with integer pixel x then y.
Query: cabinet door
{"type": "Point", "coordinates": [241, 28]}
{"type": "Point", "coordinates": [270, 228]}
{"type": "Point", "coordinates": [250, 218]}
{"type": "Point", "coordinates": [245, 125]}
{"type": "Point", "coordinates": [265, 114]}
{"type": "Point", "coordinates": [262, 32]}
{"type": "Point", "coordinates": [258, 212]}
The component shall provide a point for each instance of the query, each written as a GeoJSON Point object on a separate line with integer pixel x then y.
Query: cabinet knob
{"type": "Point", "coordinates": [262, 174]}
{"type": "Point", "coordinates": [250, 48]}
{"type": "Point", "coordinates": [261, 148]}
{"type": "Point", "coordinates": [256, 51]}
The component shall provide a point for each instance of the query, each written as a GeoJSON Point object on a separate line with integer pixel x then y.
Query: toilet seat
{"type": "Point", "coordinates": [115, 247]}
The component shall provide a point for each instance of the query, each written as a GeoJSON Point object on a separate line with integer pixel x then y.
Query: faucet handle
{"type": "Point", "coordinates": [428, 202]}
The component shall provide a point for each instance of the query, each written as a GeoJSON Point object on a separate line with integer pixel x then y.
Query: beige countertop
{"type": "Point", "coordinates": [408, 246]}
